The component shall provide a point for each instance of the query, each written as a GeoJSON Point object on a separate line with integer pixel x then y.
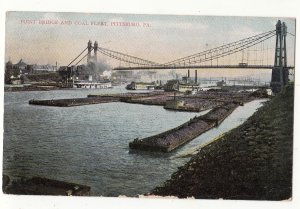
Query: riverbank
{"type": "Point", "coordinates": [251, 162]}
{"type": "Point", "coordinates": [43, 186]}
{"type": "Point", "coordinates": [31, 88]}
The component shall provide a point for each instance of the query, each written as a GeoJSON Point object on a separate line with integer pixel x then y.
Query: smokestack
{"type": "Point", "coordinates": [196, 76]}
{"type": "Point", "coordinates": [188, 73]}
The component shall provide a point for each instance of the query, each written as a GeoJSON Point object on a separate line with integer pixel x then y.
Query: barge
{"type": "Point", "coordinates": [74, 102]}
{"type": "Point", "coordinates": [174, 138]}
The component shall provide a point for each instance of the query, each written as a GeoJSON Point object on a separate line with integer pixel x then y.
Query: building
{"type": "Point", "coordinates": [21, 65]}
{"type": "Point", "coordinates": [184, 87]}
{"type": "Point", "coordinates": [43, 68]}
{"type": "Point", "coordinates": [13, 72]}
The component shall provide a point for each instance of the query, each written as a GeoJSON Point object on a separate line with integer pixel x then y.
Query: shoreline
{"type": "Point", "coordinates": [42, 186]}
{"type": "Point", "coordinates": [33, 88]}
{"type": "Point", "coordinates": [250, 162]}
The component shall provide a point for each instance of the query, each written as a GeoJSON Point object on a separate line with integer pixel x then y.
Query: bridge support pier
{"type": "Point", "coordinates": [280, 72]}
{"type": "Point", "coordinates": [90, 48]}
{"type": "Point", "coordinates": [280, 78]}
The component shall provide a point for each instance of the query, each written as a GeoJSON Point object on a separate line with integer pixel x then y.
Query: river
{"type": "Point", "coordinates": [89, 144]}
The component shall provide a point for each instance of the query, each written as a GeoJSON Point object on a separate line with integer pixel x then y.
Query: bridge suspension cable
{"type": "Point", "coordinates": [76, 59]}
{"type": "Point", "coordinates": [126, 58]}
{"type": "Point", "coordinates": [81, 59]}
{"type": "Point", "coordinates": [222, 51]}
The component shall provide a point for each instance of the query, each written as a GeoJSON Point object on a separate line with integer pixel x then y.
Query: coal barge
{"type": "Point", "coordinates": [174, 138]}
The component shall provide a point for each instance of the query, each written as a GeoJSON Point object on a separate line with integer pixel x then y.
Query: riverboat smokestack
{"type": "Point", "coordinates": [196, 76]}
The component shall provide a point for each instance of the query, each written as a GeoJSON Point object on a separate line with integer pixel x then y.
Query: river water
{"type": "Point", "coordinates": [89, 144]}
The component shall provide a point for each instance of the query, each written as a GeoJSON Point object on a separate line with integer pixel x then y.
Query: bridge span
{"type": "Point", "coordinates": [199, 67]}
{"type": "Point", "coordinates": [280, 69]}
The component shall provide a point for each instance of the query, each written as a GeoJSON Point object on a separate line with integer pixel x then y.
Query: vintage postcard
{"type": "Point", "coordinates": [148, 105]}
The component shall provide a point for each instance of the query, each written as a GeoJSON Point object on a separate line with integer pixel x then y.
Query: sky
{"type": "Point", "coordinates": [158, 38]}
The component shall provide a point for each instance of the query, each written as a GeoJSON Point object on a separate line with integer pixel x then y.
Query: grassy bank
{"type": "Point", "coordinates": [253, 161]}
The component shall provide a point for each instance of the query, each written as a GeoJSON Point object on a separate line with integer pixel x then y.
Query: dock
{"type": "Point", "coordinates": [174, 138]}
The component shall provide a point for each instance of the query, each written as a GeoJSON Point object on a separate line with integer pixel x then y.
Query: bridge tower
{"type": "Point", "coordinates": [280, 72]}
{"type": "Point", "coordinates": [90, 48]}
{"type": "Point", "coordinates": [95, 51]}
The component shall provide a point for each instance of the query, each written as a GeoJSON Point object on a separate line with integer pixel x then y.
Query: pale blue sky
{"type": "Point", "coordinates": [168, 38]}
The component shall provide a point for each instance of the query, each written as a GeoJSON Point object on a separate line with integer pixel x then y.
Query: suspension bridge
{"type": "Point", "coordinates": [211, 58]}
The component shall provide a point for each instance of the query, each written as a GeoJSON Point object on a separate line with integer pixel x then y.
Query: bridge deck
{"type": "Point", "coordinates": [199, 66]}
